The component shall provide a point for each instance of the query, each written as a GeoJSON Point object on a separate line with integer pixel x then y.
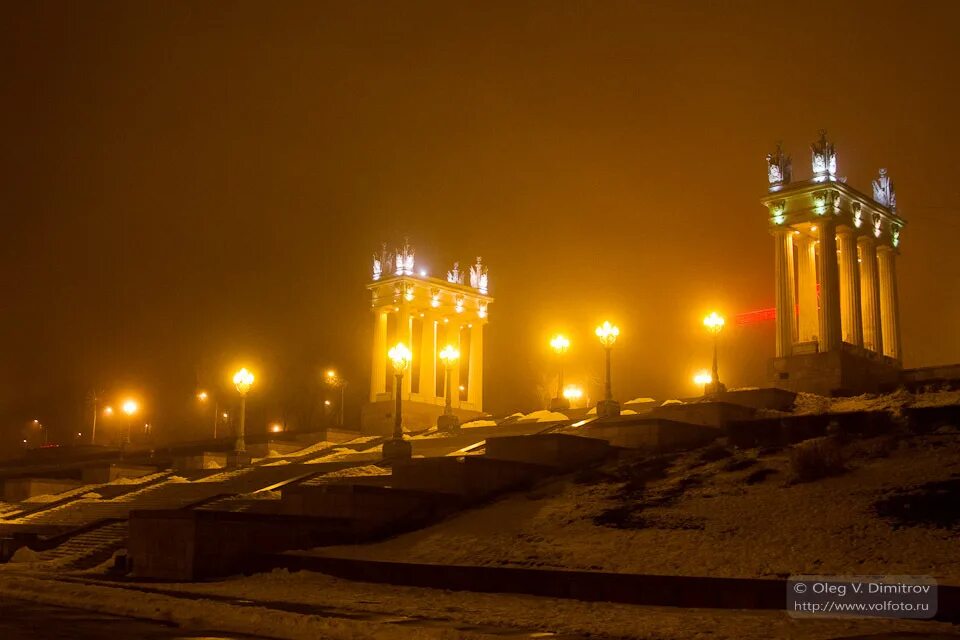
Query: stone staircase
{"type": "Point", "coordinates": [89, 548]}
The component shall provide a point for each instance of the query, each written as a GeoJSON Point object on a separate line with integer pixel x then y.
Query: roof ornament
{"type": "Point", "coordinates": [478, 276]}
{"type": "Point", "coordinates": [883, 191]}
{"type": "Point", "coordinates": [779, 169]}
{"type": "Point", "coordinates": [824, 159]}
{"type": "Point", "coordinates": [454, 276]}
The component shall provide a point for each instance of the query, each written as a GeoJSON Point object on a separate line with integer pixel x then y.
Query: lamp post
{"type": "Point", "coordinates": [448, 421]}
{"type": "Point", "coordinates": [714, 323]}
{"type": "Point", "coordinates": [242, 380]}
{"type": "Point", "coordinates": [129, 408]}
{"type": "Point", "coordinates": [397, 448]}
{"type": "Point", "coordinates": [335, 381]}
{"type": "Point", "coordinates": [560, 345]}
{"type": "Point", "coordinates": [607, 333]}
{"type": "Point", "coordinates": [43, 430]}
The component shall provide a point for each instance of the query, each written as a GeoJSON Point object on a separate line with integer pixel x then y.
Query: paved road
{"type": "Point", "coordinates": [21, 620]}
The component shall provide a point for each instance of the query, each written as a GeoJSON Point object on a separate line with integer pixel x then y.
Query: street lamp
{"type": "Point", "coordinates": [203, 397]}
{"type": "Point", "coordinates": [43, 429]}
{"type": "Point", "coordinates": [242, 380]}
{"type": "Point", "coordinates": [397, 448]}
{"type": "Point", "coordinates": [448, 421]}
{"type": "Point", "coordinates": [607, 333]}
{"type": "Point", "coordinates": [129, 408]}
{"type": "Point", "coordinates": [714, 323]}
{"type": "Point", "coordinates": [336, 381]}
{"type": "Point", "coordinates": [703, 378]}
{"type": "Point", "coordinates": [560, 345]}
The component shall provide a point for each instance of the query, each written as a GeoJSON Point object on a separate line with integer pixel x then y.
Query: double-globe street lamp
{"type": "Point", "coordinates": [447, 421]}
{"type": "Point", "coordinates": [397, 448]}
{"type": "Point", "coordinates": [607, 333]}
{"type": "Point", "coordinates": [560, 345]}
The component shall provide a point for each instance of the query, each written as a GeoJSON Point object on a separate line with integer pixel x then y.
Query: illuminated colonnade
{"type": "Point", "coordinates": [426, 314]}
{"type": "Point", "coordinates": [835, 260]}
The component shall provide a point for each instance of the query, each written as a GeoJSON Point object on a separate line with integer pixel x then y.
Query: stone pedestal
{"type": "Point", "coordinates": [397, 449]}
{"type": "Point", "coordinates": [238, 459]}
{"type": "Point", "coordinates": [559, 404]}
{"type": "Point", "coordinates": [608, 408]}
{"type": "Point", "coordinates": [448, 423]}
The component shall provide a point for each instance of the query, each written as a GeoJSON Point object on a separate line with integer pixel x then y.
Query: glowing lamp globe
{"type": "Point", "coordinates": [714, 322]}
{"type": "Point", "coordinates": [608, 334]}
{"type": "Point", "coordinates": [449, 355]}
{"type": "Point", "coordinates": [400, 356]}
{"type": "Point", "coordinates": [242, 380]}
{"type": "Point", "coordinates": [560, 343]}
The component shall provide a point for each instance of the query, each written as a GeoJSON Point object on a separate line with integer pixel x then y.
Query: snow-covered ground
{"type": "Point", "coordinates": [718, 524]}
{"type": "Point", "coordinates": [807, 403]}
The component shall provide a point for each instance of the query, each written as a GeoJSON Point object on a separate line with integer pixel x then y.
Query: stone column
{"type": "Point", "coordinates": [809, 324]}
{"type": "Point", "coordinates": [475, 390]}
{"type": "Point", "coordinates": [785, 291]}
{"type": "Point", "coordinates": [889, 302]}
{"type": "Point", "coordinates": [850, 314]}
{"type": "Point", "coordinates": [870, 295]}
{"type": "Point", "coordinates": [428, 360]}
{"type": "Point", "coordinates": [378, 370]}
{"type": "Point", "coordinates": [830, 325]}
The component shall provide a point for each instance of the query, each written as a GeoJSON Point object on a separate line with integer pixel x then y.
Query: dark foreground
{"type": "Point", "coordinates": [21, 620]}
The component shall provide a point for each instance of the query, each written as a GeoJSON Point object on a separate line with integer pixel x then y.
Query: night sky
{"type": "Point", "coordinates": [190, 186]}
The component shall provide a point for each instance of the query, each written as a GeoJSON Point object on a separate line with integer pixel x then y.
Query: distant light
{"type": "Point", "coordinates": [276, 427]}
{"type": "Point", "coordinates": [225, 415]}
{"type": "Point", "coordinates": [326, 403]}
{"type": "Point", "coordinates": [108, 411]}
{"type": "Point", "coordinates": [423, 273]}
{"type": "Point", "coordinates": [202, 396]}
{"type": "Point", "coordinates": [572, 392]}
{"type": "Point", "coordinates": [813, 228]}
{"type": "Point", "coordinates": [702, 377]}
{"type": "Point", "coordinates": [462, 387]}
{"type": "Point", "coordinates": [130, 407]}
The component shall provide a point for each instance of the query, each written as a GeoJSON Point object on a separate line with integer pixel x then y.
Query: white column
{"type": "Point", "coordinates": [475, 390]}
{"type": "Point", "coordinates": [850, 315]}
{"type": "Point", "coordinates": [870, 295]}
{"type": "Point", "coordinates": [830, 327]}
{"type": "Point", "coordinates": [785, 291]}
{"type": "Point", "coordinates": [428, 360]}
{"type": "Point", "coordinates": [889, 302]}
{"type": "Point", "coordinates": [378, 369]}
{"type": "Point", "coordinates": [809, 324]}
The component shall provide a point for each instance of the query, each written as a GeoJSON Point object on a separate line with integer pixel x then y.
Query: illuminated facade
{"type": "Point", "coordinates": [426, 313]}
{"type": "Point", "coordinates": [837, 308]}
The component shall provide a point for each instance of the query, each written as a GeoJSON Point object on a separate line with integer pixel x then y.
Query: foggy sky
{"type": "Point", "coordinates": [192, 185]}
